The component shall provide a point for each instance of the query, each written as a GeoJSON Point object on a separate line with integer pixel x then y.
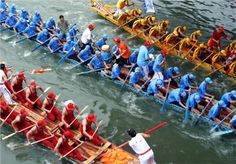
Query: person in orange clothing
{"type": "Point", "coordinates": [39, 132]}
{"type": "Point", "coordinates": [124, 52]}
{"type": "Point", "coordinates": [62, 147]}
{"type": "Point", "coordinates": [21, 122]}
{"type": "Point", "coordinates": [32, 97]}
{"type": "Point", "coordinates": [68, 115]}
{"type": "Point", "coordinates": [49, 107]}
{"type": "Point", "coordinates": [88, 132]}
{"type": "Point", "coordinates": [215, 40]}
{"type": "Point", "coordinates": [5, 111]}
{"type": "Point", "coordinates": [17, 87]}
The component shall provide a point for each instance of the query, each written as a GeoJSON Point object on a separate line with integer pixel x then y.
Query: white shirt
{"type": "Point", "coordinates": [2, 74]}
{"type": "Point", "coordinates": [139, 144]}
{"type": "Point", "coordinates": [86, 36]}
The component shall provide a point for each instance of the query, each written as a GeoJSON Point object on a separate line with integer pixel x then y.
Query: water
{"type": "Point", "coordinates": [172, 144]}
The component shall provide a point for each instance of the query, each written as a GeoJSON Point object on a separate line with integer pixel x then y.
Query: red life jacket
{"type": "Point", "coordinates": [18, 85]}
{"type": "Point", "coordinates": [33, 95]}
{"type": "Point", "coordinates": [69, 116]}
{"type": "Point", "coordinates": [49, 105]}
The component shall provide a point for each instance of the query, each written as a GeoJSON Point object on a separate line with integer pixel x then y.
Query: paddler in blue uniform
{"type": "Point", "coordinates": [186, 80]}
{"type": "Point", "coordinates": [101, 41]}
{"type": "Point", "coordinates": [43, 36]}
{"type": "Point", "coordinates": [11, 20]}
{"type": "Point", "coordinates": [54, 44]}
{"type": "Point", "coordinates": [3, 15]}
{"type": "Point", "coordinates": [73, 32]}
{"type": "Point", "coordinates": [37, 19]}
{"type": "Point", "coordinates": [233, 122]}
{"type": "Point", "coordinates": [31, 30]}
{"type": "Point", "coordinates": [158, 65]}
{"type": "Point", "coordinates": [50, 25]}
{"type": "Point", "coordinates": [172, 73]}
{"type": "Point", "coordinates": [135, 77]}
{"type": "Point", "coordinates": [202, 89]}
{"type": "Point", "coordinates": [215, 111]}
{"type": "Point", "coordinates": [24, 14]}
{"type": "Point", "coordinates": [13, 9]}
{"type": "Point", "coordinates": [193, 101]}
{"type": "Point", "coordinates": [229, 98]}
{"type": "Point", "coordinates": [3, 5]}
{"type": "Point", "coordinates": [176, 96]}
{"type": "Point", "coordinates": [154, 87]}
{"type": "Point", "coordinates": [97, 61]}
{"type": "Point", "coordinates": [70, 48]}
{"type": "Point", "coordinates": [20, 26]}
{"type": "Point", "coordinates": [85, 54]}
{"type": "Point", "coordinates": [133, 57]}
{"type": "Point", "coordinates": [116, 73]}
{"type": "Point", "coordinates": [106, 54]}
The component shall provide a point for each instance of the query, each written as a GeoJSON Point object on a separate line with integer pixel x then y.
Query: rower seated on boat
{"type": "Point", "coordinates": [186, 44]}
{"type": "Point", "coordinates": [159, 31]}
{"type": "Point", "coordinates": [124, 17]}
{"type": "Point", "coordinates": [218, 58]}
{"type": "Point", "coordinates": [43, 36]}
{"type": "Point", "coordinates": [71, 49]}
{"type": "Point", "coordinates": [158, 65]}
{"type": "Point", "coordinates": [192, 103]}
{"type": "Point", "coordinates": [51, 111]}
{"type": "Point", "coordinates": [215, 40]}
{"type": "Point", "coordinates": [195, 36]}
{"type": "Point", "coordinates": [216, 111]}
{"type": "Point", "coordinates": [135, 78]}
{"type": "Point", "coordinates": [155, 86]}
{"type": "Point", "coordinates": [186, 81]}
{"type": "Point", "coordinates": [31, 96]}
{"type": "Point", "coordinates": [39, 132]}
{"type": "Point", "coordinates": [17, 87]}
{"type": "Point", "coordinates": [13, 9]}
{"type": "Point", "coordinates": [201, 53]}
{"type": "Point", "coordinates": [141, 147]}
{"type": "Point", "coordinates": [138, 25]}
{"type": "Point", "coordinates": [101, 42]}
{"type": "Point", "coordinates": [24, 14]}
{"type": "Point", "coordinates": [21, 122]}
{"type": "Point", "coordinates": [63, 147]}
{"type": "Point", "coordinates": [116, 72]}
{"type": "Point", "coordinates": [20, 26]}
{"type": "Point", "coordinates": [3, 5]}
{"type": "Point", "coordinates": [11, 21]}
{"type": "Point", "coordinates": [133, 57]}
{"type": "Point", "coordinates": [37, 19]}
{"type": "Point", "coordinates": [229, 98]}
{"type": "Point", "coordinates": [51, 25]}
{"type": "Point", "coordinates": [106, 54]}
{"type": "Point", "coordinates": [55, 44]}
{"type": "Point", "coordinates": [121, 6]}
{"type": "Point", "coordinates": [68, 119]}
{"type": "Point", "coordinates": [233, 122]}
{"type": "Point", "coordinates": [202, 89]}
{"type": "Point", "coordinates": [172, 73]}
{"type": "Point", "coordinates": [3, 15]}
{"type": "Point", "coordinates": [85, 54]}
{"type": "Point", "coordinates": [177, 96]}
{"type": "Point", "coordinates": [73, 32]}
{"type": "Point", "coordinates": [31, 30]}
{"type": "Point", "coordinates": [87, 131]}
{"type": "Point", "coordinates": [97, 62]}
{"type": "Point", "coordinates": [123, 52]}
{"type": "Point", "coordinates": [176, 35]}
{"type": "Point", "coordinates": [5, 110]}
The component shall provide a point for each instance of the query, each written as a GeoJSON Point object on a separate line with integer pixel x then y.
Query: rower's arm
{"type": "Point", "coordinates": [29, 133]}
{"type": "Point", "coordinates": [63, 118]}
{"type": "Point", "coordinates": [13, 123]}
{"type": "Point", "coordinates": [182, 105]}
{"type": "Point", "coordinates": [44, 105]}
{"type": "Point", "coordinates": [145, 135]}
{"type": "Point", "coordinates": [27, 96]}
{"type": "Point", "coordinates": [59, 142]}
{"type": "Point", "coordinates": [84, 130]}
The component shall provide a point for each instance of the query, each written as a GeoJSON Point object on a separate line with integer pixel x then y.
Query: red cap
{"type": "Point", "coordinates": [21, 75]}
{"type": "Point", "coordinates": [147, 43]}
{"type": "Point", "coordinates": [71, 107]}
{"type": "Point", "coordinates": [91, 26]}
{"type": "Point", "coordinates": [23, 112]}
{"type": "Point", "coordinates": [3, 104]}
{"type": "Point", "coordinates": [221, 28]}
{"type": "Point", "coordinates": [33, 84]}
{"type": "Point", "coordinates": [91, 117]}
{"type": "Point", "coordinates": [117, 40]}
{"type": "Point", "coordinates": [164, 52]}
{"type": "Point", "coordinates": [68, 134]}
{"type": "Point", "coordinates": [51, 95]}
{"type": "Point", "coordinates": [41, 123]}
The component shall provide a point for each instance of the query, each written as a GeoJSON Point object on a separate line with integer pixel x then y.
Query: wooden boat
{"type": "Point", "coordinates": [224, 126]}
{"type": "Point", "coordinates": [88, 150]}
{"type": "Point", "coordinates": [106, 12]}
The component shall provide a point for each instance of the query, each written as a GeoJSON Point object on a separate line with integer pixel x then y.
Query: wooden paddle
{"type": "Point", "coordinates": [99, 124]}
{"type": "Point", "coordinates": [162, 110]}
{"type": "Point", "coordinates": [20, 91]}
{"type": "Point", "coordinates": [129, 38]}
{"type": "Point", "coordinates": [21, 40]}
{"type": "Point", "coordinates": [40, 44]}
{"type": "Point", "coordinates": [220, 68]}
{"type": "Point", "coordinates": [190, 50]}
{"type": "Point", "coordinates": [8, 116]}
{"type": "Point", "coordinates": [221, 133]}
{"type": "Point", "coordinates": [187, 112]}
{"type": "Point", "coordinates": [82, 62]}
{"type": "Point", "coordinates": [202, 61]}
{"type": "Point", "coordinates": [91, 71]}
{"type": "Point", "coordinates": [79, 114]}
{"type": "Point", "coordinates": [126, 78]}
{"type": "Point", "coordinates": [42, 94]}
{"type": "Point", "coordinates": [71, 150]}
{"type": "Point", "coordinates": [125, 24]}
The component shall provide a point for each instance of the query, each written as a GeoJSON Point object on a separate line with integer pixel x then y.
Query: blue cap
{"type": "Point", "coordinates": [176, 70]}
{"type": "Point", "coordinates": [51, 18]}
{"type": "Point", "coordinates": [75, 27]}
{"type": "Point", "coordinates": [37, 13]}
{"type": "Point", "coordinates": [197, 98]}
{"type": "Point", "coordinates": [208, 80]}
{"type": "Point", "coordinates": [45, 31]}
{"type": "Point", "coordinates": [137, 69]}
{"type": "Point", "coordinates": [105, 37]}
{"type": "Point", "coordinates": [222, 103]}
{"type": "Point", "coordinates": [191, 76]}
{"type": "Point", "coordinates": [13, 6]}
{"type": "Point", "coordinates": [233, 93]}
{"type": "Point", "coordinates": [183, 94]}
{"type": "Point", "coordinates": [159, 82]}
{"type": "Point", "coordinates": [98, 53]}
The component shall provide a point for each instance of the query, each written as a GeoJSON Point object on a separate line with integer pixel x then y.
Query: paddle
{"type": "Point", "coordinates": [19, 91]}
{"type": "Point", "coordinates": [220, 68]}
{"type": "Point", "coordinates": [41, 44]}
{"type": "Point", "coordinates": [203, 111]}
{"type": "Point", "coordinates": [221, 133]}
{"type": "Point", "coordinates": [187, 112]}
{"type": "Point", "coordinates": [13, 36]}
{"type": "Point", "coordinates": [213, 129]}
{"type": "Point", "coordinates": [190, 50]}
{"type": "Point", "coordinates": [162, 110]}
{"type": "Point", "coordinates": [79, 114]}
{"type": "Point", "coordinates": [91, 71]}
{"type": "Point", "coordinates": [143, 85]}
{"type": "Point", "coordinates": [202, 61]}
{"type": "Point", "coordinates": [129, 38]}
{"type": "Point", "coordinates": [99, 124]}
{"type": "Point", "coordinates": [8, 116]}
{"type": "Point", "coordinates": [174, 45]}
{"type": "Point", "coordinates": [41, 94]}
{"type": "Point", "coordinates": [12, 134]}
{"type": "Point", "coordinates": [51, 53]}
{"type": "Point", "coordinates": [5, 29]}
{"type": "Point", "coordinates": [21, 40]}
{"type": "Point", "coordinates": [71, 151]}
{"type": "Point", "coordinates": [125, 24]}
{"type": "Point", "coordinates": [126, 78]}
{"type": "Point", "coordinates": [81, 62]}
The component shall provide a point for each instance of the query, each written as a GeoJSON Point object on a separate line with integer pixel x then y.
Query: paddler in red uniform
{"type": "Point", "coordinates": [68, 115]}
{"type": "Point", "coordinates": [31, 96]}
{"type": "Point", "coordinates": [21, 122]}
{"type": "Point", "coordinates": [39, 132]}
{"type": "Point", "coordinates": [88, 132]}
{"type": "Point", "coordinates": [49, 107]}
{"type": "Point", "coordinates": [5, 111]}
{"type": "Point", "coordinates": [62, 147]}
{"type": "Point", "coordinates": [17, 87]}
{"type": "Point", "coordinates": [214, 41]}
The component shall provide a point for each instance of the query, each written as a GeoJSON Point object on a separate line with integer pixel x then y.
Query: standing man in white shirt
{"type": "Point", "coordinates": [141, 147]}
{"type": "Point", "coordinates": [86, 37]}
{"type": "Point", "coordinates": [3, 89]}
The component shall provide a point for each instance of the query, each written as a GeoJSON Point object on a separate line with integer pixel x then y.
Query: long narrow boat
{"type": "Point", "coordinates": [106, 12]}
{"type": "Point", "coordinates": [224, 126]}
{"type": "Point", "coordinates": [88, 150]}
